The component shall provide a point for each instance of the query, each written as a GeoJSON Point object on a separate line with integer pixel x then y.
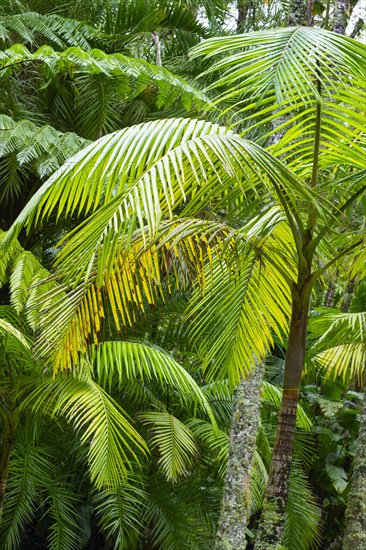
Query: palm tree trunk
{"type": "Point", "coordinates": [355, 531]}
{"type": "Point", "coordinates": [236, 498]}
{"type": "Point", "coordinates": [273, 515]}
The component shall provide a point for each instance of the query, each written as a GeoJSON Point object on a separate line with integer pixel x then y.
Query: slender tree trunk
{"type": "Point", "coordinates": [157, 43]}
{"type": "Point", "coordinates": [6, 446]}
{"type": "Point", "coordinates": [341, 16]}
{"type": "Point", "coordinates": [298, 13]}
{"type": "Point", "coordinates": [243, 8]}
{"type": "Point", "coordinates": [273, 515]}
{"type": "Point", "coordinates": [347, 296]}
{"type": "Point", "coordinates": [236, 498]}
{"type": "Point", "coordinates": [328, 302]}
{"type": "Point", "coordinates": [355, 531]}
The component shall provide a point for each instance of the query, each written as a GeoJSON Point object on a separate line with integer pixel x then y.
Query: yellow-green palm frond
{"type": "Point", "coordinates": [341, 348]}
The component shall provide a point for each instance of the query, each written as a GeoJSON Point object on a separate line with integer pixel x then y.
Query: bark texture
{"type": "Point", "coordinates": [297, 14]}
{"type": "Point", "coordinates": [341, 16]}
{"type": "Point", "coordinates": [355, 531]}
{"type": "Point", "coordinates": [243, 9]}
{"type": "Point", "coordinates": [348, 296]}
{"type": "Point", "coordinates": [236, 498]}
{"type": "Point", "coordinates": [272, 522]}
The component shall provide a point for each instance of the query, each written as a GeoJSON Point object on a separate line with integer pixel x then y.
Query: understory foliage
{"type": "Point", "coordinates": [151, 233]}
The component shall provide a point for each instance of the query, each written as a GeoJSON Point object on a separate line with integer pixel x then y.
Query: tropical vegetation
{"type": "Point", "coordinates": [182, 275]}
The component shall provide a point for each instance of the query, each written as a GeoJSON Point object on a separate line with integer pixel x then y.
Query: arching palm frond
{"type": "Point", "coordinates": [300, 84]}
{"type": "Point", "coordinates": [282, 63]}
{"type": "Point", "coordinates": [158, 165]}
{"type": "Point", "coordinates": [230, 328]}
{"type": "Point", "coordinates": [115, 361]}
{"type": "Point", "coordinates": [341, 348]}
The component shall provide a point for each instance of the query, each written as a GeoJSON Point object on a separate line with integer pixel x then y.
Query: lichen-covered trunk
{"type": "Point", "coordinates": [355, 530]}
{"type": "Point", "coordinates": [236, 498]}
{"type": "Point", "coordinates": [297, 14]}
{"type": "Point", "coordinates": [272, 521]}
{"type": "Point", "coordinates": [348, 296]}
{"type": "Point", "coordinates": [341, 16]}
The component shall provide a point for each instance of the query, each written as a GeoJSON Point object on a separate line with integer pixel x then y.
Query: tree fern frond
{"type": "Point", "coordinates": [55, 29]}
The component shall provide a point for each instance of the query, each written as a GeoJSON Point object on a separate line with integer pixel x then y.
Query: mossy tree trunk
{"type": "Point", "coordinates": [297, 14]}
{"type": "Point", "coordinates": [341, 16]}
{"type": "Point", "coordinates": [236, 498]}
{"type": "Point", "coordinates": [355, 531]}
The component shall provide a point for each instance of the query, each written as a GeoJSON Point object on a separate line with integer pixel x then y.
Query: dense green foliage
{"type": "Point", "coordinates": [154, 211]}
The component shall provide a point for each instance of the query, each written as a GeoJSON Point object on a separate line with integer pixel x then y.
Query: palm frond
{"type": "Point", "coordinates": [303, 514]}
{"type": "Point", "coordinates": [64, 531]}
{"type": "Point", "coordinates": [120, 514]}
{"type": "Point", "coordinates": [101, 423]}
{"type": "Point", "coordinates": [115, 361]}
{"type": "Point", "coordinates": [283, 62]}
{"type": "Point", "coordinates": [174, 442]}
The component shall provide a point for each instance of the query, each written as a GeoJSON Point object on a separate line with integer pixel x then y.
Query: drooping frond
{"type": "Point", "coordinates": [231, 328]}
{"type": "Point", "coordinates": [64, 530]}
{"type": "Point", "coordinates": [115, 361]}
{"type": "Point", "coordinates": [120, 514]}
{"type": "Point", "coordinates": [24, 273]}
{"type": "Point", "coordinates": [174, 442]}
{"type": "Point", "coordinates": [303, 514]}
{"type": "Point", "coordinates": [158, 165]}
{"type": "Point", "coordinates": [28, 465]}
{"type": "Point", "coordinates": [216, 440]}
{"type": "Point", "coordinates": [102, 424]}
